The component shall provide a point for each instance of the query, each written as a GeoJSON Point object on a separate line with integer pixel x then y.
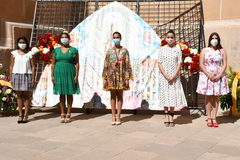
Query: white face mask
{"type": "Point", "coordinates": [22, 45]}
{"type": "Point", "coordinates": [170, 40]}
{"type": "Point", "coordinates": [64, 41]}
{"type": "Point", "coordinates": [214, 42]}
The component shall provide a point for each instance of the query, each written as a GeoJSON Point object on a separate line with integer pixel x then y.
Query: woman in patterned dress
{"type": "Point", "coordinates": [22, 76]}
{"type": "Point", "coordinates": [116, 74]}
{"type": "Point", "coordinates": [65, 68]}
{"type": "Point", "coordinates": [171, 91]}
{"type": "Point", "coordinates": [212, 79]}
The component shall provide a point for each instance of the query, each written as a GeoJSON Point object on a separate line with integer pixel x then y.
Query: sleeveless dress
{"type": "Point", "coordinates": [171, 94]}
{"type": "Point", "coordinates": [65, 71]}
{"type": "Point", "coordinates": [213, 63]}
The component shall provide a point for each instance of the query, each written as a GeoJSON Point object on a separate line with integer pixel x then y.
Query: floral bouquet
{"type": "Point", "coordinates": [8, 98]}
{"type": "Point", "coordinates": [190, 57]}
{"type": "Point", "coordinates": [45, 46]}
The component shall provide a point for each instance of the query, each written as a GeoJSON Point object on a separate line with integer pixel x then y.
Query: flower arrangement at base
{"type": "Point", "coordinates": [45, 46]}
{"type": "Point", "coordinates": [190, 57]}
{"type": "Point", "coordinates": [8, 97]}
{"type": "Point", "coordinates": [232, 98]}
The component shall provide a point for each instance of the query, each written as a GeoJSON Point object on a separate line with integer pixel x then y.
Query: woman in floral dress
{"type": "Point", "coordinates": [116, 74]}
{"type": "Point", "coordinates": [212, 80]}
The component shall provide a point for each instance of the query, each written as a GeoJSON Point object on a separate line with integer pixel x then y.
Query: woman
{"type": "Point", "coordinates": [22, 76]}
{"type": "Point", "coordinates": [65, 68]}
{"type": "Point", "coordinates": [212, 79]}
{"type": "Point", "coordinates": [116, 74]}
{"type": "Point", "coordinates": [171, 91]}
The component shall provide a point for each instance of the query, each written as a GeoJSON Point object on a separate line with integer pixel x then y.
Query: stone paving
{"type": "Point", "coordinates": [140, 137]}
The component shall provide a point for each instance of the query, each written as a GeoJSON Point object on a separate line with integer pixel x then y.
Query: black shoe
{"type": "Point", "coordinates": [20, 121]}
{"type": "Point", "coordinates": [26, 119]}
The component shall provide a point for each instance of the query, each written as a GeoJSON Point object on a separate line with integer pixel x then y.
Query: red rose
{"type": "Point", "coordinates": [41, 42]}
{"type": "Point", "coordinates": [57, 39]}
{"type": "Point", "coordinates": [185, 51]}
{"type": "Point", "coordinates": [196, 59]}
{"type": "Point", "coordinates": [47, 37]}
{"type": "Point", "coordinates": [164, 42]}
{"type": "Point", "coordinates": [39, 37]}
{"type": "Point", "coordinates": [49, 45]}
{"type": "Point", "coordinates": [46, 57]}
{"type": "Point", "coordinates": [186, 43]}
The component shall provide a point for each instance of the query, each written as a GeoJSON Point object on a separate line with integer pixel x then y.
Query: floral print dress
{"type": "Point", "coordinates": [117, 69]}
{"type": "Point", "coordinates": [213, 63]}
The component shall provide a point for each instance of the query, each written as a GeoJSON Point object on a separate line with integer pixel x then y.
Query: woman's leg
{"type": "Point", "coordinates": [62, 107]}
{"type": "Point", "coordinates": [171, 115]}
{"type": "Point", "coordinates": [119, 104]}
{"type": "Point", "coordinates": [69, 110]}
{"type": "Point", "coordinates": [166, 112]}
{"type": "Point", "coordinates": [209, 108]}
{"type": "Point", "coordinates": [113, 104]}
{"type": "Point", "coordinates": [20, 105]}
{"type": "Point", "coordinates": [27, 97]}
{"type": "Point", "coordinates": [215, 110]}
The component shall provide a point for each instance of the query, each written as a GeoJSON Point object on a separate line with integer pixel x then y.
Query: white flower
{"type": "Point", "coordinates": [0, 91]}
{"type": "Point", "coordinates": [35, 50]}
{"type": "Point", "coordinates": [56, 45]}
{"type": "Point", "coordinates": [8, 91]}
{"type": "Point", "coordinates": [194, 51]}
{"type": "Point", "coordinates": [184, 46]}
{"type": "Point", "coordinates": [188, 60]}
{"type": "Point", "coordinates": [1, 65]}
{"type": "Point", "coordinates": [4, 98]}
{"type": "Point", "coordinates": [2, 76]}
{"type": "Point", "coordinates": [45, 50]}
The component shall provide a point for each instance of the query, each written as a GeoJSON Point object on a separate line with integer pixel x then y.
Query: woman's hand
{"type": "Point", "coordinates": [76, 79]}
{"type": "Point", "coordinates": [53, 80]}
{"type": "Point", "coordinates": [216, 78]}
{"type": "Point", "coordinates": [171, 79]}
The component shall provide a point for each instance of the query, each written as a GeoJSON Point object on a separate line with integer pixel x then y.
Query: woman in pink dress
{"type": "Point", "coordinates": [212, 79]}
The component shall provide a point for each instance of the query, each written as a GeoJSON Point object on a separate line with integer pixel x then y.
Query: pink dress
{"type": "Point", "coordinates": [213, 63]}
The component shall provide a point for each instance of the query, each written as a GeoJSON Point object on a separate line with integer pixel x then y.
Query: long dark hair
{"type": "Point", "coordinates": [219, 46]}
{"type": "Point", "coordinates": [118, 34]}
{"type": "Point", "coordinates": [25, 40]}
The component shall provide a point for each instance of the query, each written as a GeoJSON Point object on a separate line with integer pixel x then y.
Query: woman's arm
{"type": "Point", "coordinates": [163, 71]}
{"type": "Point", "coordinates": [33, 70]}
{"type": "Point", "coordinates": [52, 69]}
{"type": "Point", "coordinates": [77, 68]}
{"type": "Point", "coordinates": [202, 66]}
{"type": "Point", "coordinates": [11, 67]}
{"type": "Point", "coordinates": [224, 67]}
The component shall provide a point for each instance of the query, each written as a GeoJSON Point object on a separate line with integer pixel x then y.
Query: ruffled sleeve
{"type": "Point", "coordinates": [14, 53]}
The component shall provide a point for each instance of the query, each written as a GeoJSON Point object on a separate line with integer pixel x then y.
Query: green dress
{"type": "Point", "coordinates": [65, 71]}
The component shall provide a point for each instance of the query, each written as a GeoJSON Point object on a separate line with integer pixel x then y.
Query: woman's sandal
{"type": "Point", "coordinates": [209, 124]}
{"type": "Point", "coordinates": [113, 120]}
{"type": "Point", "coordinates": [25, 119]}
{"type": "Point", "coordinates": [68, 118]}
{"type": "Point", "coordinates": [171, 124]}
{"type": "Point", "coordinates": [118, 121]}
{"type": "Point", "coordinates": [166, 123]}
{"type": "Point", "coordinates": [62, 118]}
{"type": "Point", "coordinates": [214, 124]}
{"type": "Point", "coordinates": [20, 119]}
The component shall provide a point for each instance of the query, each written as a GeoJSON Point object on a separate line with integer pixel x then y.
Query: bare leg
{"type": "Point", "coordinates": [69, 110]}
{"type": "Point", "coordinates": [113, 105]}
{"type": "Point", "coordinates": [215, 110]}
{"type": "Point", "coordinates": [119, 105]}
{"type": "Point", "coordinates": [171, 114]}
{"type": "Point", "coordinates": [209, 108]}
{"type": "Point", "coordinates": [27, 104]}
{"type": "Point", "coordinates": [166, 116]}
{"type": "Point", "coordinates": [62, 107]}
{"type": "Point", "coordinates": [20, 105]}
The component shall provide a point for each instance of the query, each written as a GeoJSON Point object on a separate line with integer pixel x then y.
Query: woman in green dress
{"type": "Point", "coordinates": [116, 74]}
{"type": "Point", "coordinates": [65, 68]}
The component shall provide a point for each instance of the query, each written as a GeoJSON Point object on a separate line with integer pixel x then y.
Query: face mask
{"type": "Point", "coordinates": [64, 41]}
{"type": "Point", "coordinates": [214, 42]}
{"type": "Point", "coordinates": [22, 45]}
{"type": "Point", "coordinates": [170, 40]}
{"type": "Point", "coordinates": [116, 41]}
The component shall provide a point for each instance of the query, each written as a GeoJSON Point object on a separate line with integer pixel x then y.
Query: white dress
{"type": "Point", "coordinates": [171, 94]}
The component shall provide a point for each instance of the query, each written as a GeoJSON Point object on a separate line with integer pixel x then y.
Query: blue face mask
{"type": "Point", "coordinates": [116, 41]}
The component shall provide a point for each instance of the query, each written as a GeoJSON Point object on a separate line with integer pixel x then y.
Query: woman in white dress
{"type": "Point", "coordinates": [171, 91]}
